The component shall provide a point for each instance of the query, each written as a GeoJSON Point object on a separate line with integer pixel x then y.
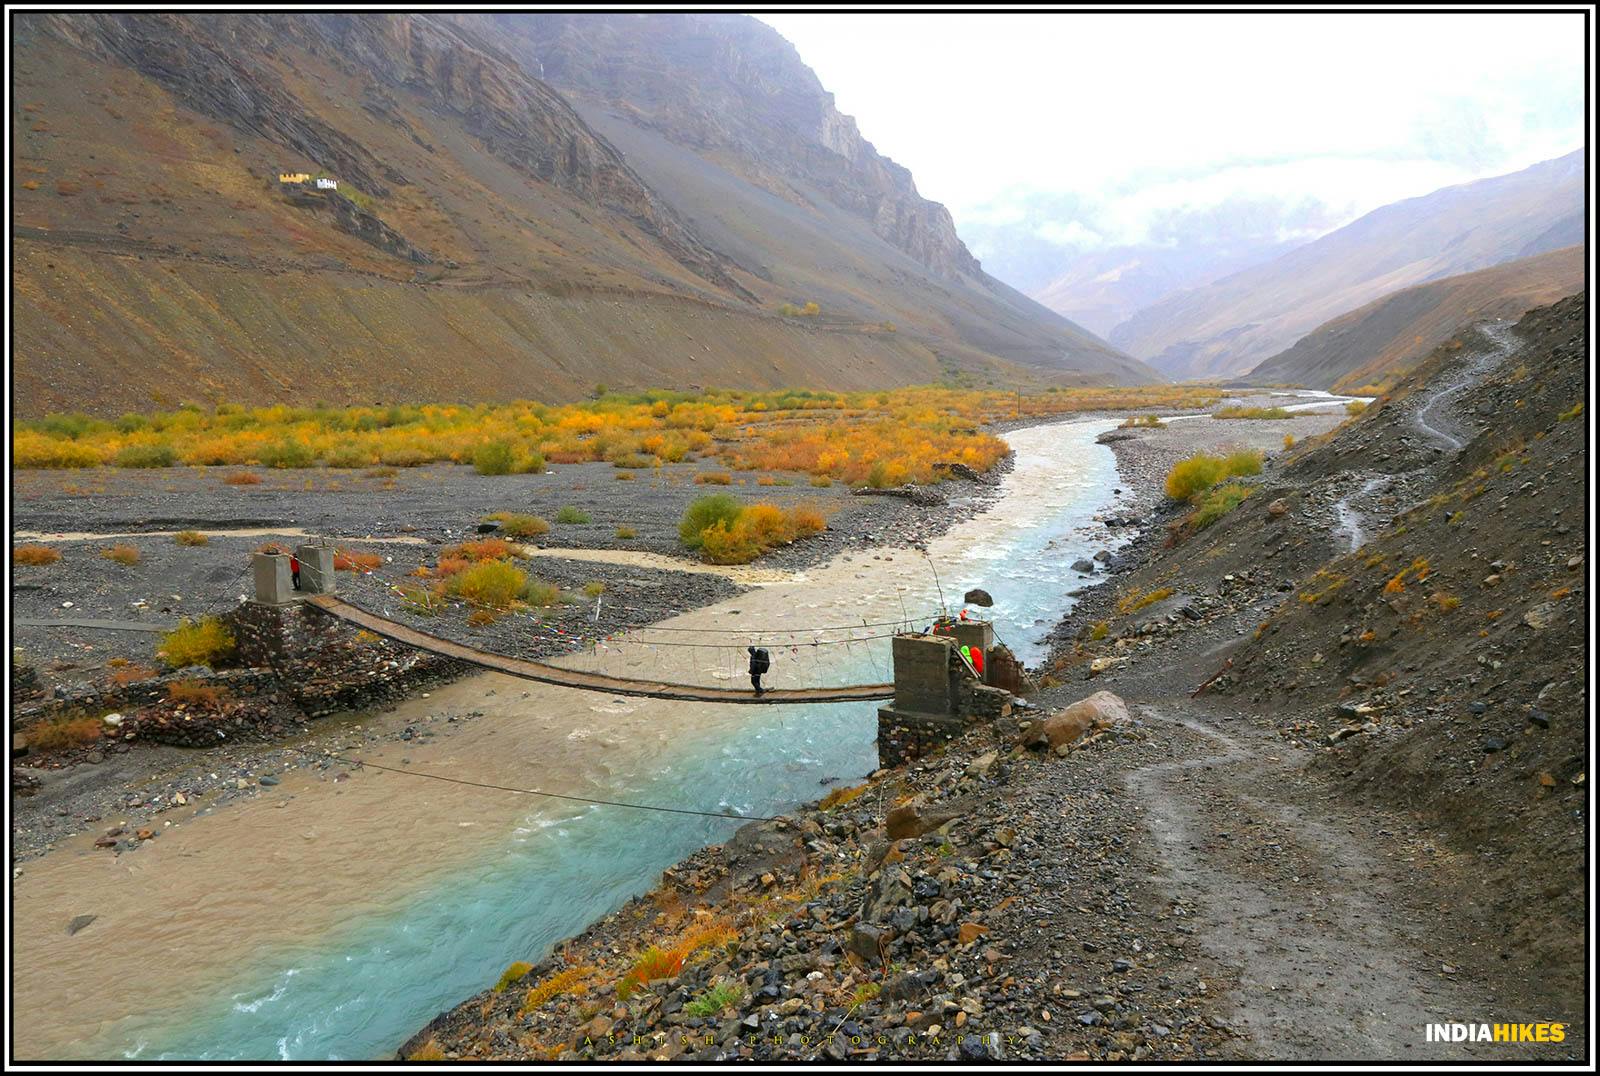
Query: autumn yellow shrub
{"type": "Point", "coordinates": [206, 641]}
{"type": "Point", "coordinates": [491, 583]}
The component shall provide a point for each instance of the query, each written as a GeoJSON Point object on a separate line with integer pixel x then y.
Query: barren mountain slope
{"type": "Point", "coordinates": [484, 241]}
{"type": "Point", "coordinates": [1232, 325]}
{"type": "Point", "coordinates": [1384, 339]}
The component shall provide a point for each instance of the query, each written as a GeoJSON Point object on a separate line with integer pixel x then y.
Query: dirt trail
{"type": "Point", "coordinates": [1297, 898]}
{"type": "Point", "coordinates": [1431, 414]}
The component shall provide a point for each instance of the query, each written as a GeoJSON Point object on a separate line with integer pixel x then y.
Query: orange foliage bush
{"type": "Point", "coordinates": [34, 556]}
{"type": "Point", "coordinates": [348, 560]}
{"type": "Point", "coordinates": [895, 436]}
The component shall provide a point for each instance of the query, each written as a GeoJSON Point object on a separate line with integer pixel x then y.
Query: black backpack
{"type": "Point", "coordinates": [760, 660]}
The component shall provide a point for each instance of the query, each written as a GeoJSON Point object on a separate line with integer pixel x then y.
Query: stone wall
{"type": "Point", "coordinates": [936, 699]}
{"type": "Point", "coordinates": [323, 664]}
{"type": "Point", "coordinates": [295, 663]}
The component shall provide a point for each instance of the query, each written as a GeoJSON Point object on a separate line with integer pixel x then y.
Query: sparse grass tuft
{"type": "Point", "coordinates": [122, 553]}
{"type": "Point", "coordinates": [512, 974]}
{"type": "Point", "coordinates": [194, 693]}
{"type": "Point", "coordinates": [714, 478]}
{"type": "Point", "coordinates": [724, 994]}
{"type": "Point", "coordinates": [349, 560]}
{"type": "Point", "coordinates": [843, 795]}
{"type": "Point", "coordinates": [34, 556]}
{"type": "Point", "coordinates": [242, 478]}
{"type": "Point", "coordinates": [593, 589]}
{"type": "Point", "coordinates": [540, 594]}
{"type": "Point", "coordinates": [1218, 502]}
{"type": "Point", "coordinates": [516, 525]}
{"type": "Point", "coordinates": [562, 982]}
{"type": "Point", "coordinates": [1250, 412]}
{"type": "Point", "coordinates": [1135, 600]}
{"type": "Point", "coordinates": [190, 538]}
{"type": "Point", "coordinates": [626, 533]}
{"type": "Point", "coordinates": [480, 549]}
{"type": "Point", "coordinates": [1355, 407]}
{"type": "Point", "coordinates": [63, 733]}
{"type": "Point", "coordinates": [569, 514]}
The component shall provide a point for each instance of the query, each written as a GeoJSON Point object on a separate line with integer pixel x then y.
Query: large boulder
{"type": "Point", "coordinates": [1101, 710]}
{"type": "Point", "coordinates": [913, 820]}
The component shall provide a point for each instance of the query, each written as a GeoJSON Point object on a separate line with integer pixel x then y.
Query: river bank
{"type": "Point", "coordinates": [610, 748]}
{"type": "Point", "coordinates": [1191, 883]}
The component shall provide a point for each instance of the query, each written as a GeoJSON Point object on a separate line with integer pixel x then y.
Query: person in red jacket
{"type": "Point", "coordinates": [294, 570]}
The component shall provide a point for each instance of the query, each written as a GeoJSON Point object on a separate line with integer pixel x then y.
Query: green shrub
{"type": "Point", "coordinates": [206, 641]}
{"type": "Point", "coordinates": [537, 592]}
{"type": "Point", "coordinates": [349, 455]}
{"type": "Point", "coordinates": [516, 525]}
{"type": "Point", "coordinates": [1250, 412]}
{"type": "Point", "coordinates": [1355, 407]}
{"type": "Point", "coordinates": [725, 993]}
{"type": "Point", "coordinates": [145, 456]}
{"type": "Point", "coordinates": [494, 457]}
{"type": "Point", "coordinates": [569, 514]}
{"type": "Point", "coordinates": [287, 453]}
{"type": "Point", "coordinates": [1218, 502]}
{"type": "Point", "coordinates": [1193, 476]}
{"type": "Point", "coordinates": [1196, 474]}
{"type": "Point", "coordinates": [705, 513]}
{"type": "Point", "coordinates": [514, 973]}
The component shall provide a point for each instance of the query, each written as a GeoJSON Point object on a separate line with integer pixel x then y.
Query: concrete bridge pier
{"type": "Point", "coordinates": [936, 695]}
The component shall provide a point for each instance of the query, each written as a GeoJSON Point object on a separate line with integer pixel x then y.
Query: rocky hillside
{"type": "Point", "coordinates": [156, 247]}
{"type": "Point", "coordinates": [1232, 325]}
{"type": "Point", "coordinates": [1373, 346]}
{"type": "Point", "coordinates": [1410, 592]}
{"type": "Point", "coordinates": [724, 120]}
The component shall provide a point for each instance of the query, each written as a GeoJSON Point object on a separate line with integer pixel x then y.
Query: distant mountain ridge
{"type": "Point", "coordinates": [1104, 288]}
{"type": "Point", "coordinates": [1385, 339]}
{"type": "Point", "coordinates": [1231, 325]}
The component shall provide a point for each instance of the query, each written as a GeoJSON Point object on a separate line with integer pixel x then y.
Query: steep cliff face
{"type": "Point", "coordinates": [732, 83]}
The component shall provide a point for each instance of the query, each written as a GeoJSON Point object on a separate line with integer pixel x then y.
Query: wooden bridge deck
{"type": "Point", "coordinates": [587, 681]}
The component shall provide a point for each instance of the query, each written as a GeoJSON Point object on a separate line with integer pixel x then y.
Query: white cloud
{"type": "Point", "coordinates": [1121, 120]}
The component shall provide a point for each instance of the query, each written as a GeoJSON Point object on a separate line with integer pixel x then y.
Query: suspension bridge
{"type": "Point", "coordinates": [588, 681]}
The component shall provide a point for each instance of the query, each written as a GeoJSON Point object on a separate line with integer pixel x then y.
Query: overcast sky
{"type": "Point", "coordinates": [1083, 130]}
